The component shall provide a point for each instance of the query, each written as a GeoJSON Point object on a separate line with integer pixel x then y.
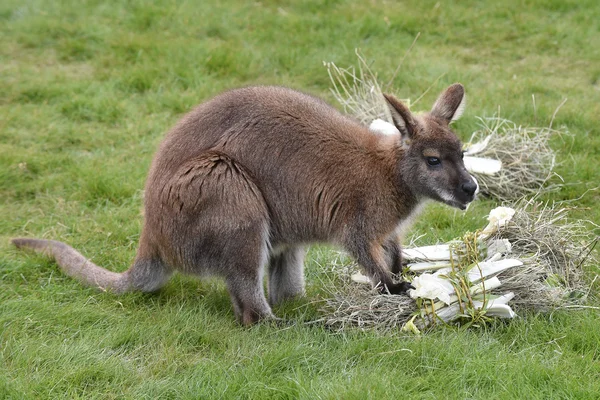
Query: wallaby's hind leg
{"type": "Point", "coordinates": [216, 221]}
{"type": "Point", "coordinates": [248, 298]}
{"type": "Point", "coordinates": [244, 257]}
{"type": "Point", "coordinates": [286, 274]}
{"type": "Point", "coordinates": [242, 260]}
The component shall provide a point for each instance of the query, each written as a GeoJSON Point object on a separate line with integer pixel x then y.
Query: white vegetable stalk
{"type": "Point", "coordinates": [438, 256]}
{"type": "Point", "coordinates": [439, 252]}
{"type": "Point", "coordinates": [383, 127]}
{"type": "Point", "coordinates": [475, 148]}
{"type": "Point", "coordinates": [428, 266]}
{"type": "Point", "coordinates": [498, 218]}
{"type": "Point", "coordinates": [432, 286]}
{"type": "Point", "coordinates": [480, 165]}
{"type": "Point", "coordinates": [360, 278]}
{"type": "Point", "coordinates": [494, 308]}
{"type": "Point", "coordinates": [437, 285]}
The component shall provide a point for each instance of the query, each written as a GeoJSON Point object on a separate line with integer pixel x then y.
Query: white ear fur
{"type": "Point", "coordinates": [451, 103]}
{"type": "Point", "coordinates": [401, 116]}
{"type": "Point", "coordinates": [460, 109]}
{"type": "Point", "coordinates": [399, 122]}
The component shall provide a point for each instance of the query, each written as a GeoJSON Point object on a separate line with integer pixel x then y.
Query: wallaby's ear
{"type": "Point", "coordinates": [451, 103]}
{"type": "Point", "coordinates": [401, 115]}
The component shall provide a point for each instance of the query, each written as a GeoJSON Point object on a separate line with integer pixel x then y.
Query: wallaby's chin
{"type": "Point", "coordinates": [457, 204]}
{"type": "Point", "coordinates": [453, 201]}
{"type": "Point", "coordinates": [463, 206]}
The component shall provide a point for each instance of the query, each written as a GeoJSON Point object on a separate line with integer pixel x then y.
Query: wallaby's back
{"type": "Point", "coordinates": [307, 159]}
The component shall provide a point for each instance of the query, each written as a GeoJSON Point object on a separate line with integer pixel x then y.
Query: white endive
{"type": "Point", "coordinates": [428, 265]}
{"type": "Point", "coordinates": [498, 307]}
{"type": "Point", "coordinates": [360, 278]}
{"type": "Point", "coordinates": [438, 252]}
{"type": "Point", "coordinates": [499, 246]}
{"type": "Point", "coordinates": [431, 286]}
{"type": "Point", "coordinates": [494, 308]}
{"type": "Point", "coordinates": [383, 127]}
{"type": "Point", "coordinates": [498, 219]}
{"type": "Point", "coordinates": [501, 215]}
{"type": "Point", "coordinates": [490, 268]}
{"type": "Point", "coordinates": [480, 165]}
{"type": "Point", "coordinates": [478, 147]}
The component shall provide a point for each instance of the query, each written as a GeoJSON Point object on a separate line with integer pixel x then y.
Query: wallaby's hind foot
{"type": "Point", "coordinates": [248, 298]}
{"type": "Point", "coordinates": [286, 274]}
{"type": "Point", "coordinates": [144, 275]}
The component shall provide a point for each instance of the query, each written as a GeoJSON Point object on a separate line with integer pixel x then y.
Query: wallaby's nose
{"type": "Point", "coordinates": [469, 187]}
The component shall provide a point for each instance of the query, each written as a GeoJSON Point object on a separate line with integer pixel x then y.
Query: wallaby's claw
{"type": "Point", "coordinates": [406, 286]}
{"type": "Point", "coordinates": [396, 288]}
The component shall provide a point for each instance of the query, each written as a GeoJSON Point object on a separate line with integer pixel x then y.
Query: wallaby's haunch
{"type": "Point", "coordinates": [248, 179]}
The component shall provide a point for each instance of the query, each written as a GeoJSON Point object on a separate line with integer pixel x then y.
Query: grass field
{"type": "Point", "coordinates": [89, 88]}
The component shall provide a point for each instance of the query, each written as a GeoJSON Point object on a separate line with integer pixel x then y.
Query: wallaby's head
{"type": "Point", "coordinates": [432, 163]}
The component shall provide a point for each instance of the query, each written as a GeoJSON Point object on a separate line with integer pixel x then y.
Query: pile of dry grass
{"type": "Point", "coordinates": [359, 91]}
{"type": "Point", "coordinates": [555, 250]}
{"type": "Point", "coordinates": [527, 159]}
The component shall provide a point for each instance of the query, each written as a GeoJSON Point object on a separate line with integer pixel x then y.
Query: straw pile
{"type": "Point", "coordinates": [554, 251]}
{"type": "Point", "coordinates": [359, 92]}
{"type": "Point", "coordinates": [526, 157]}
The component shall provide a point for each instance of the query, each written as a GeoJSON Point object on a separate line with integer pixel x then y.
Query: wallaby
{"type": "Point", "coordinates": [250, 178]}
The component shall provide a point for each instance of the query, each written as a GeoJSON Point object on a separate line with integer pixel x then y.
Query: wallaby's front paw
{"type": "Point", "coordinates": [405, 287]}
{"type": "Point", "coordinates": [396, 288]}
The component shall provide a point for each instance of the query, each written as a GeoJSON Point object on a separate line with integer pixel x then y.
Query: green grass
{"type": "Point", "coordinates": [89, 88]}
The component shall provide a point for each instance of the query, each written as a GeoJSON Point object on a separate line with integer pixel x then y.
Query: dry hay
{"type": "Point", "coordinates": [358, 91]}
{"type": "Point", "coordinates": [555, 250]}
{"type": "Point", "coordinates": [527, 159]}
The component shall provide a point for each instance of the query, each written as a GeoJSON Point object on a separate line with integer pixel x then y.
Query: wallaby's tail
{"type": "Point", "coordinates": [76, 265]}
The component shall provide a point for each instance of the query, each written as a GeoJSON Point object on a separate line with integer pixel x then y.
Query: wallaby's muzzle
{"type": "Point", "coordinates": [466, 192]}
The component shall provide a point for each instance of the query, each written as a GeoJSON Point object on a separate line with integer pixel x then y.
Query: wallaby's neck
{"type": "Point", "coordinates": [406, 199]}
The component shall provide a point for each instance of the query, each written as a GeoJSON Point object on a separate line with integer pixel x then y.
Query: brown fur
{"type": "Point", "coordinates": [249, 178]}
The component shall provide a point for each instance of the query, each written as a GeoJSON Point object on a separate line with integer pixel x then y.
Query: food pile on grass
{"type": "Point", "coordinates": [530, 257]}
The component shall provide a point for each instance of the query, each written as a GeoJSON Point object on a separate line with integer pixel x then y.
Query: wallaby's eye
{"type": "Point", "coordinates": [433, 161]}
